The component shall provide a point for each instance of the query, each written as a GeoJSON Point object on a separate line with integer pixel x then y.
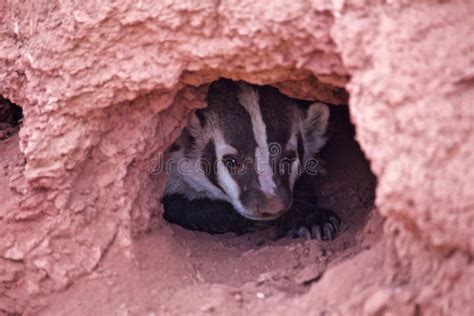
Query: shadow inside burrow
{"type": "Point", "coordinates": [11, 117]}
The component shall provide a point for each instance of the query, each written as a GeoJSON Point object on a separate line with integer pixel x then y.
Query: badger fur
{"type": "Point", "coordinates": [243, 154]}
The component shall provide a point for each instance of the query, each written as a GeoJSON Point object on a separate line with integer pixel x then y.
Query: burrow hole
{"type": "Point", "coordinates": [11, 117]}
{"type": "Point", "coordinates": [345, 184]}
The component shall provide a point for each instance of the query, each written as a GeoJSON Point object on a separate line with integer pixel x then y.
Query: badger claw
{"type": "Point", "coordinates": [328, 231]}
{"type": "Point", "coordinates": [303, 232]}
{"type": "Point", "coordinates": [336, 224]}
{"type": "Point", "coordinates": [323, 225]}
{"type": "Point", "coordinates": [316, 233]}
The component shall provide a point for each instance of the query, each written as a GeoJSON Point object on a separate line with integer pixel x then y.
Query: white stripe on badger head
{"type": "Point", "coordinates": [224, 177]}
{"type": "Point", "coordinates": [248, 98]}
{"type": "Point", "coordinates": [292, 142]}
{"type": "Point", "coordinates": [294, 173]}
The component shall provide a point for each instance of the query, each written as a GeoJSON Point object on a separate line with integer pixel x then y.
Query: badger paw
{"type": "Point", "coordinates": [322, 225]}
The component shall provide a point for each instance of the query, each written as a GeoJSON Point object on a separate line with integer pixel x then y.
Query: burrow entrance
{"type": "Point", "coordinates": [11, 117]}
{"type": "Point", "coordinates": [344, 184]}
{"type": "Point", "coordinates": [180, 271]}
{"type": "Point", "coordinates": [253, 272]}
{"type": "Point", "coordinates": [245, 269]}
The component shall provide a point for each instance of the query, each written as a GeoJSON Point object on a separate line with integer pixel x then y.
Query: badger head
{"type": "Point", "coordinates": [248, 146]}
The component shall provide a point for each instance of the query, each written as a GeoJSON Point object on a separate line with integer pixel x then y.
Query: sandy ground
{"type": "Point", "coordinates": [173, 271]}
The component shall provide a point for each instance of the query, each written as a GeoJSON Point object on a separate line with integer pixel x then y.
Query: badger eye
{"type": "Point", "coordinates": [229, 161]}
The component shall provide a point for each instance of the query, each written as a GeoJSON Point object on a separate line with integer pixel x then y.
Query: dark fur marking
{"type": "Point", "coordinates": [175, 147]}
{"type": "Point", "coordinates": [234, 120]}
{"type": "Point", "coordinates": [212, 216]}
{"type": "Point", "coordinates": [200, 114]}
{"type": "Point", "coordinates": [236, 125]}
{"type": "Point", "coordinates": [276, 114]}
{"type": "Point", "coordinates": [208, 163]}
{"type": "Point", "coordinates": [277, 111]}
{"type": "Point", "coordinates": [300, 147]}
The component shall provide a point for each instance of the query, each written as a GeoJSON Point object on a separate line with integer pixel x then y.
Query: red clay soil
{"type": "Point", "coordinates": [106, 87]}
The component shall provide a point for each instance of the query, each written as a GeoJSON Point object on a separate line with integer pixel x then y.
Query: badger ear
{"type": "Point", "coordinates": [192, 134]}
{"type": "Point", "coordinates": [195, 124]}
{"type": "Point", "coordinates": [315, 125]}
{"type": "Point", "coordinates": [316, 120]}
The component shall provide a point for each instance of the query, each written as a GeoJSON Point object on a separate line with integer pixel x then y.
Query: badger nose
{"type": "Point", "coordinates": [264, 205]}
{"type": "Point", "coordinates": [274, 206]}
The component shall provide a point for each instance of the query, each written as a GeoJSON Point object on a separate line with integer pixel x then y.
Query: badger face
{"type": "Point", "coordinates": [247, 147]}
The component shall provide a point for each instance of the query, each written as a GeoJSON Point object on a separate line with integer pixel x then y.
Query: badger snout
{"type": "Point", "coordinates": [262, 206]}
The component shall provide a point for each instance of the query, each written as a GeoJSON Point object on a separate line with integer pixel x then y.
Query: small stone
{"type": "Point", "coordinates": [110, 282]}
{"type": "Point", "coordinates": [32, 287]}
{"type": "Point", "coordinates": [377, 302]}
{"type": "Point", "coordinates": [262, 278]}
{"type": "Point", "coordinates": [78, 206]}
{"type": "Point", "coordinates": [93, 276]}
{"type": "Point", "coordinates": [310, 273]}
{"type": "Point", "coordinates": [61, 200]}
{"type": "Point", "coordinates": [238, 297]}
{"type": "Point", "coordinates": [199, 277]}
{"type": "Point", "coordinates": [208, 308]}
{"type": "Point", "coordinates": [260, 295]}
{"type": "Point", "coordinates": [14, 253]}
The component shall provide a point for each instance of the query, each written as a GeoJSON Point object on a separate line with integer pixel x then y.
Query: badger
{"type": "Point", "coordinates": [236, 165]}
